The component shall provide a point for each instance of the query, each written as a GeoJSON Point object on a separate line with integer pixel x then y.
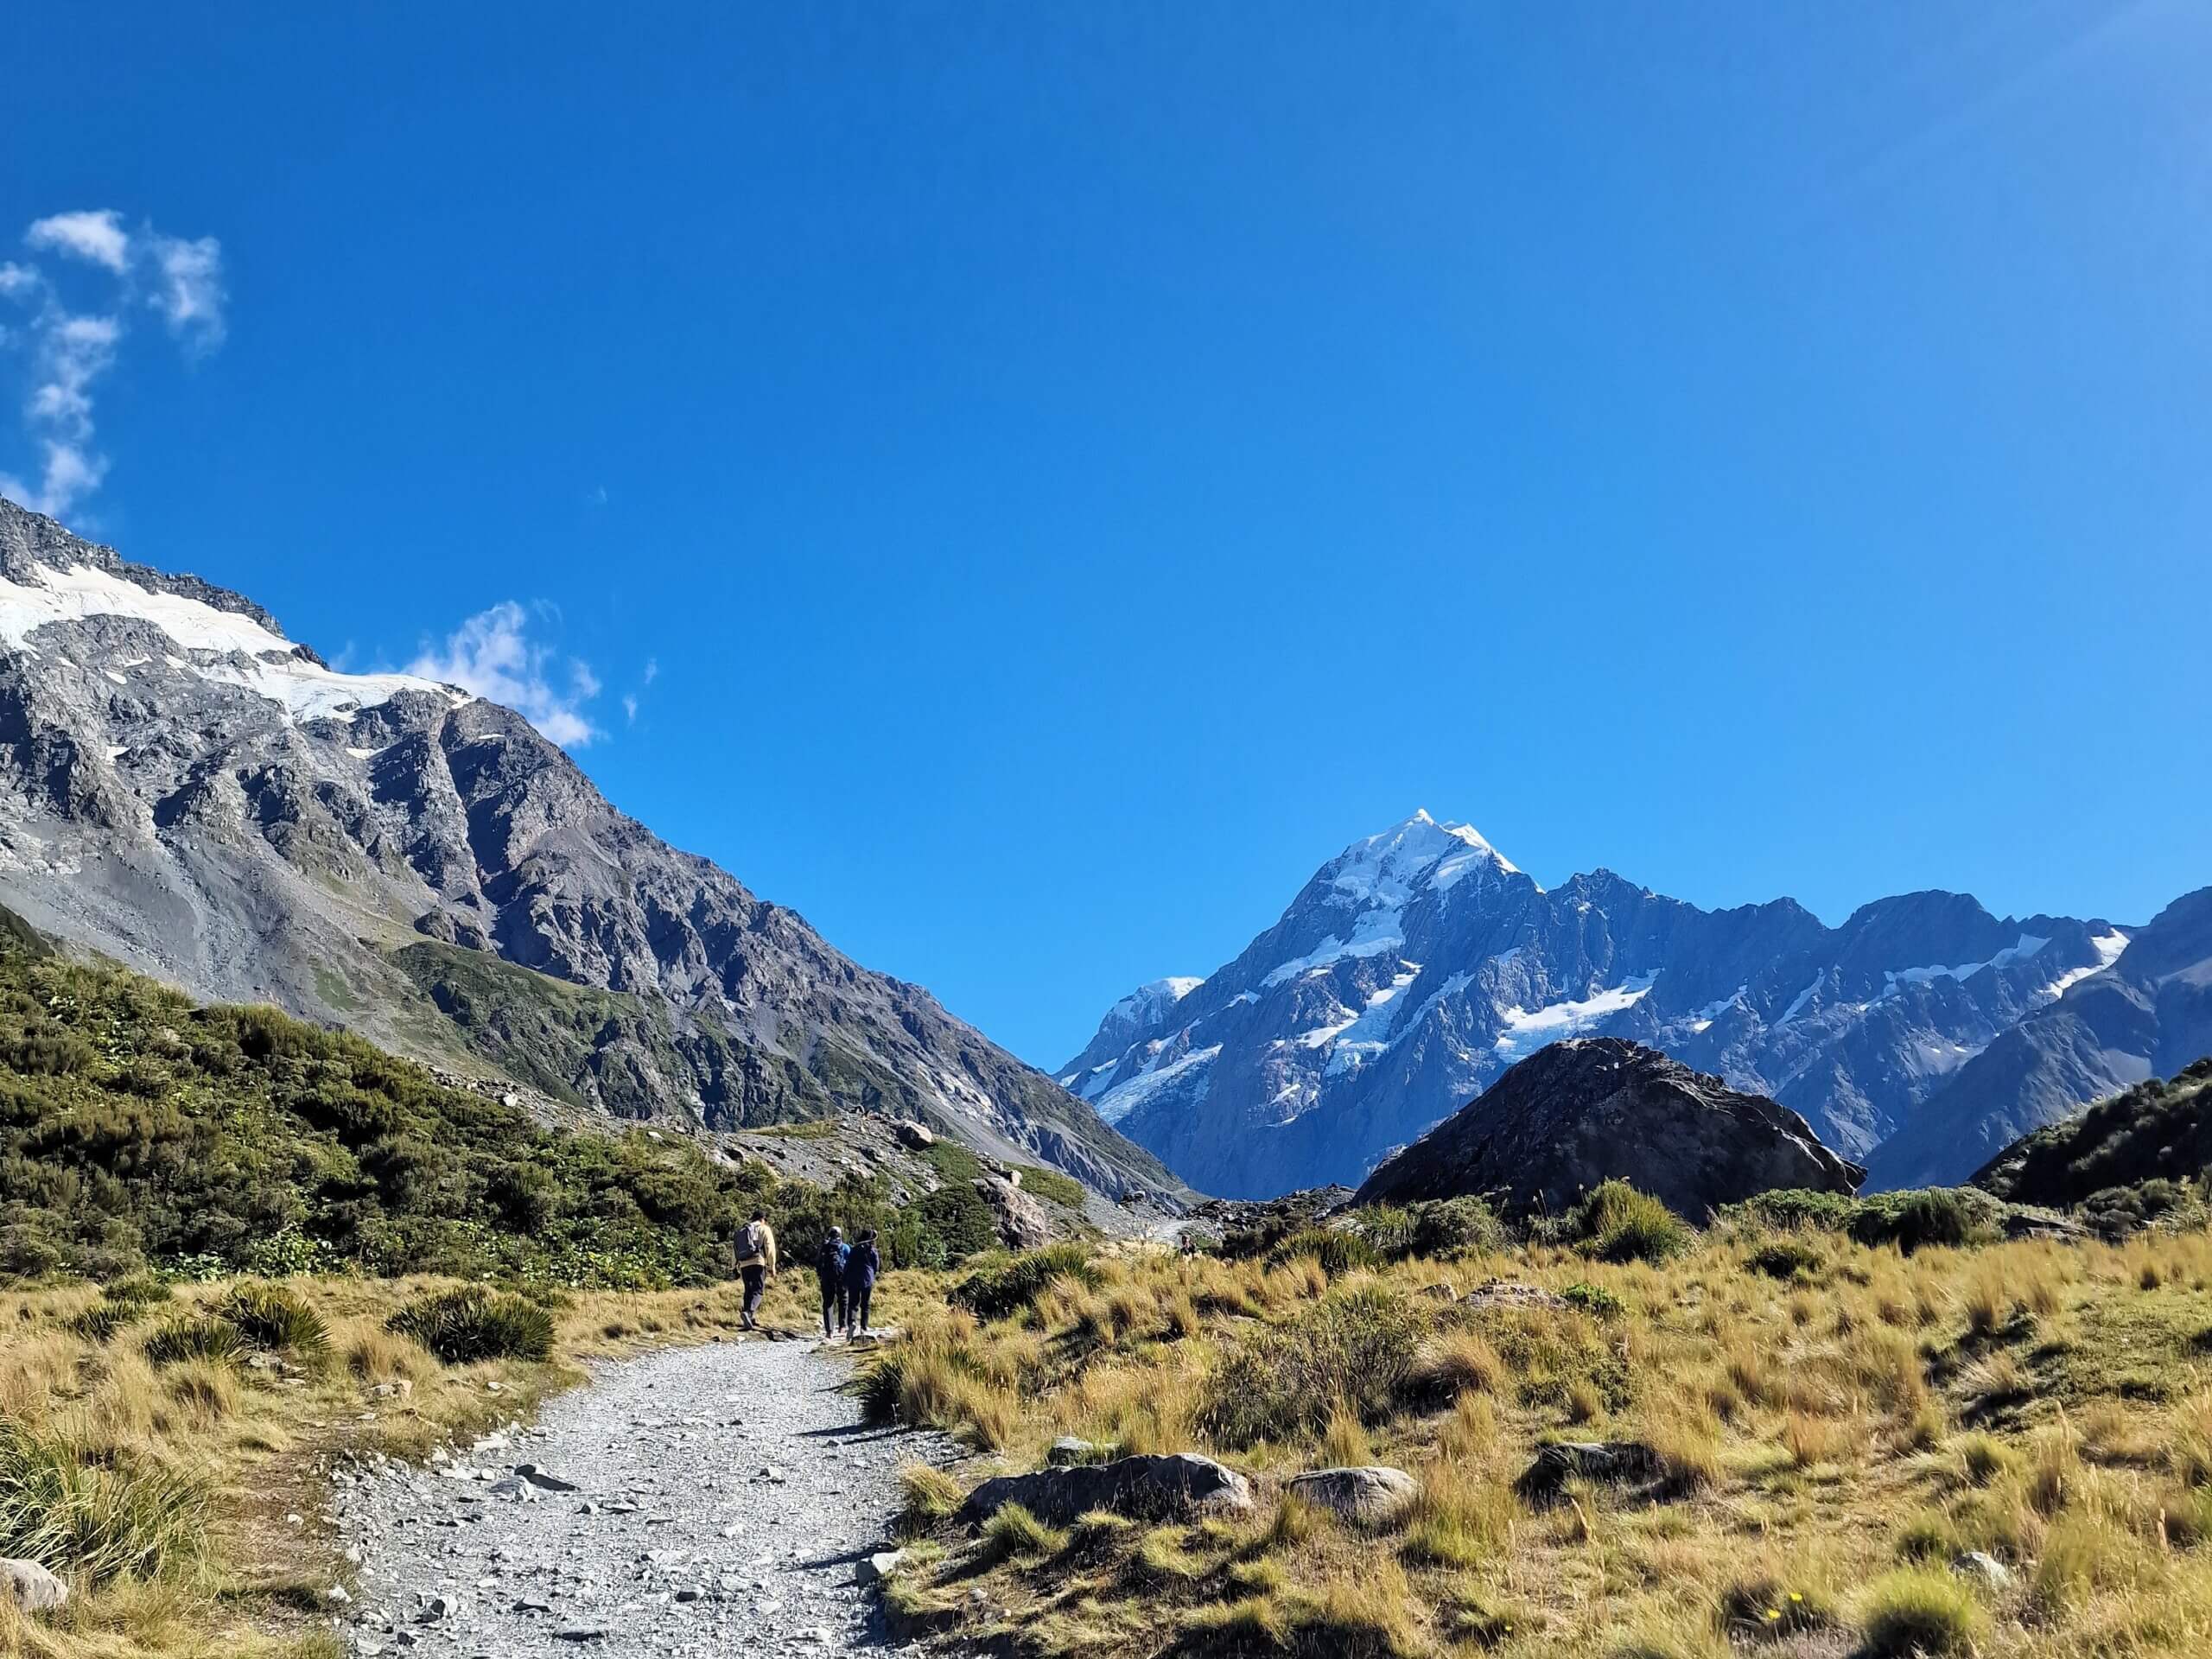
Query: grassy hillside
{"type": "Point", "coordinates": [2138, 1156]}
{"type": "Point", "coordinates": [1826, 1427]}
{"type": "Point", "coordinates": [137, 1128]}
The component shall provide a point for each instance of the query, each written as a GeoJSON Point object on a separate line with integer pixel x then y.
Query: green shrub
{"type": "Point", "coordinates": [1052, 1186]}
{"type": "Point", "coordinates": [100, 1519]}
{"type": "Point", "coordinates": [1914, 1220]}
{"type": "Point", "coordinates": [1788, 1259]}
{"type": "Point", "coordinates": [1594, 1299]}
{"type": "Point", "coordinates": [1388, 1231]}
{"type": "Point", "coordinates": [471, 1324]}
{"type": "Point", "coordinates": [1616, 1223]}
{"type": "Point", "coordinates": [1787, 1209]}
{"type": "Point", "coordinates": [997, 1288]}
{"type": "Point", "coordinates": [1447, 1228]}
{"type": "Point", "coordinates": [139, 1289]}
{"type": "Point", "coordinates": [1338, 1251]}
{"type": "Point", "coordinates": [1919, 1613]}
{"type": "Point", "coordinates": [1910, 1220]}
{"type": "Point", "coordinates": [190, 1336]}
{"type": "Point", "coordinates": [271, 1317]}
{"type": "Point", "coordinates": [1355, 1351]}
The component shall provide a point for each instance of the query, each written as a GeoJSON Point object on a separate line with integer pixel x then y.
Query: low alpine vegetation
{"type": "Point", "coordinates": [471, 1324]}
{"type": "Point", "coordinates": [1771, 1436]}
{"type": "Point", "coordinates": [272, 1317]}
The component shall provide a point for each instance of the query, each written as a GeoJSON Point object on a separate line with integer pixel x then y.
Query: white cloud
{"type": "Point", "coordinates": [629, 708]}
{"type": "Point", "coordinates": [97, 236]}
{"type": "Point", "coordinates": [69, 350]}
{"type": "Point", "coordinates": [492, 655]}
{"type": "Point", "coordinates": [190, 294]}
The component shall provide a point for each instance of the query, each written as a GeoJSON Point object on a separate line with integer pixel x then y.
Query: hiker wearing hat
{"type": "Point", "coordinates": [830, 1269]}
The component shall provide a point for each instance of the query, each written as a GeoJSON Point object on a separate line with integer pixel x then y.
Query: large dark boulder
{"type": "Point", "coordinates": [1151, 1489]}
{"type": "Point", "coordinates": [1598, 1108]}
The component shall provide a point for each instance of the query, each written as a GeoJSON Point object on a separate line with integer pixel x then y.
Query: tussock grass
{"type": "Point", "coordinates": [1616, 1223]}
{"type": "Point", "coordinates": [1353, 1352]}
{"type": "Point", "coordinates": [269, 1317]}
{"type": "Point", "coordinates": [1011, 1532]}
{"type": "Point", "coordinates": [100, 1519]}
{"type": "Point", "coordinates": [189, 1336]}
{"type": "Point", "coordinates": [1919, 1613]}
{"type": "Point", "coordinates": [471, 1324]}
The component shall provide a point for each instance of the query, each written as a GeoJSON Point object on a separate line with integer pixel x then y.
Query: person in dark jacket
{"type": "Point", "coordinates": [862, 1263]}
{"type": "Point", "coordinates": [829, 1270]}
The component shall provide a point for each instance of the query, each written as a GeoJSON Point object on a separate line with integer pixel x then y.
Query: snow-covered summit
{"type": "Point", "coordinates": [1388, 866]}
{"type": "Point", "coordinates": [240, 647]}
{"type": "Point", "coordinates": [1416, 965]}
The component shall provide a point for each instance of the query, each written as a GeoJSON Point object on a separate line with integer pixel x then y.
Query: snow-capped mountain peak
{"type": "Point", "coordinates": [1389, 867]}
{"type": "Point", "coordinates": [1418, 965]}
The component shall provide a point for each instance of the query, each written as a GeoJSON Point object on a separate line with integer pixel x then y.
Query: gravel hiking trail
{"type": "Point", "coordinates": [725, 1500]}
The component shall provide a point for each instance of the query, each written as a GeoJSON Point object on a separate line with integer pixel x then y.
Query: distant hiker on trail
{"type": "Point", "coordinates": [862, 1263]}
{"type": "Point", "coordinates": [830, 1269]}
{"type": "Point", "coordinates": [756, 1260]}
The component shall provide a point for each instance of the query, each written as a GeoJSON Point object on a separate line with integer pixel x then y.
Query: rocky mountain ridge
{"type": "Point", "coordinates": [1412, 970]}
{"type": "Point", "coordinates": [186, 790]}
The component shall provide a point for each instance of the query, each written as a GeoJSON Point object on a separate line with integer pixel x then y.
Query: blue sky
{"type": "Point", "coordinates": [1049, 475]}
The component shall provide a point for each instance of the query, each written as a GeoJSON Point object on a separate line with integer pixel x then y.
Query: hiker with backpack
{"type": "Point", "coordinates": [756, 1260]}
{"type": "Point", "coordinates": [862, 1262]}
{"type": "Point", "coordinates": [829, 1270]}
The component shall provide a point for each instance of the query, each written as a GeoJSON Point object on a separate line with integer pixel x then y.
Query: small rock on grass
{"type": "Point", "coordinates": [31, 1588]}
{"type": "Point", "coordinates": [1369, 1495]}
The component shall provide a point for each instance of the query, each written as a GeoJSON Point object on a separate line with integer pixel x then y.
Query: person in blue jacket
{"type": "Point", "coordinates": [862, 1263]}
{"type": "Point", "coordinates": [830, 1269]}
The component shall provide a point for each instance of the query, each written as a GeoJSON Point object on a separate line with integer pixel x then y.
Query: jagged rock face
{"type": "Point", "coordinates": [2147, 1016]}
{"type": "Point", "coordinates": [1592, 1109]}
{"type": "Point", "coordinates": [185, 789]}
{"type": "Point", "coordinates": [1418, 964]}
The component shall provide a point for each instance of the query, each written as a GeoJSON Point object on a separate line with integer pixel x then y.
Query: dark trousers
{"type": "Point", "coordinates": [756, 1283]}
{"type": "Point", "coordinates": [859, 1296]}
{"type": "Point", "coordinates": [833, 1307]}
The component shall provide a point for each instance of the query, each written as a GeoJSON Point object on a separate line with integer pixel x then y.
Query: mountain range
{"type": "Point", "coordinates": [187, 791]}
{"type": "Point", "coordinates": [1412, 970]}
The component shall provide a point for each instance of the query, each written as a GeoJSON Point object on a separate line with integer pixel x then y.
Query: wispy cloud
{"type": "Point", "coordinates": [190, 295]}
{"type": "Point", "coordinates": [492, 655]}
{"type": "Point", "coordinates": [630, 700]}
{"type": "Point", "coordinates": [68, 348]}
{"type": "Point", "coordinates": [98, 237]}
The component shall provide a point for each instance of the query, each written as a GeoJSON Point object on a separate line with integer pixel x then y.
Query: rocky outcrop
{"type": "Point", "coordinates": [1598, 1108]}
{"type": "Point", "coordinates": [1169, 1488]}
{"type": "Point", "coordinates": [184, 789]}
{"type": "Point", "coordinates": [1023, 1223]}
